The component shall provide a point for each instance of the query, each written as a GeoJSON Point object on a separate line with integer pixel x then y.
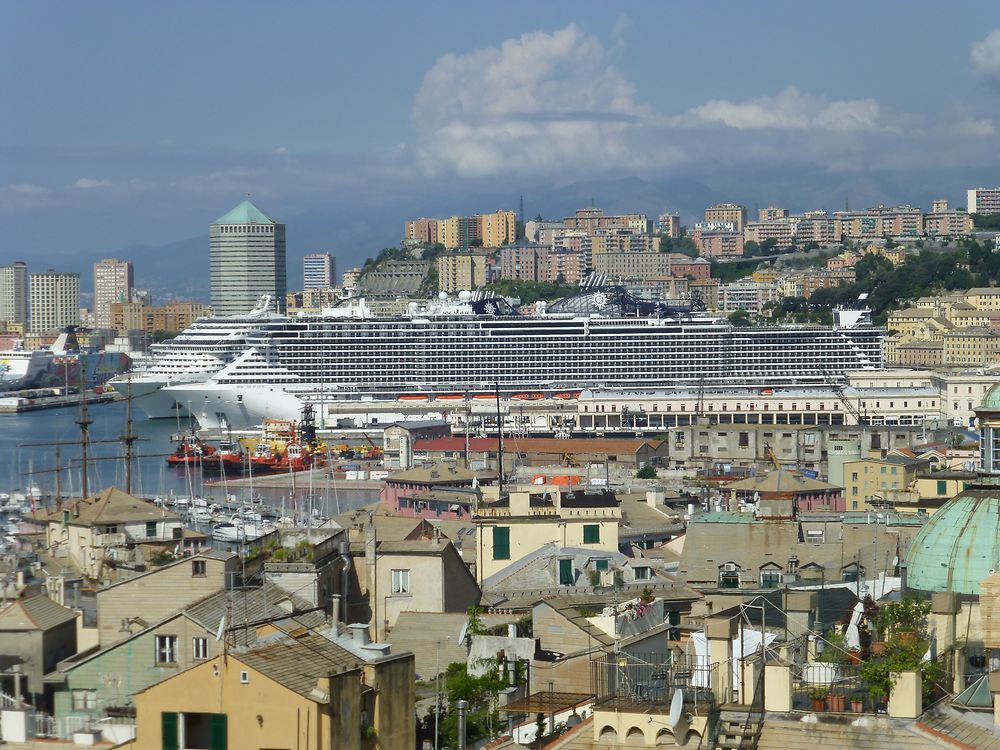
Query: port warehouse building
{"type": "Point", "coordinates": [484, 452]}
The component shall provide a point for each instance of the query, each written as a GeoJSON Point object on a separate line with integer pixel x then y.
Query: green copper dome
{"type": "Point", "coordinates": [960, 545]}
{"type": "Point", "coordinates": [245, 213]}
{"type": "Point", "coordinates": [991, 399]}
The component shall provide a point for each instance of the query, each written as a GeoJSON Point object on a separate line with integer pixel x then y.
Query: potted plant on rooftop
{"type": "Point", "coordinates": [817, 697]}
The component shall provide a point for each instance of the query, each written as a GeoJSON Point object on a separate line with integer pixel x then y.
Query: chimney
{"type": "Point", "coordinates": [359, 633]}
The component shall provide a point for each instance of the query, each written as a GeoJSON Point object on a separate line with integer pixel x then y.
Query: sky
{"type": "Point", "coordinates": [129, 123]}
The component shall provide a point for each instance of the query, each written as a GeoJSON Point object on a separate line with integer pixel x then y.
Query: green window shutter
{"type": "Point", "coordinates": [150, 529]}
{"type": "Point", "coordinates": [565, 572]}
{"type": "Point", "coordinates": [169, 730]}
{"type": "Point", "coordinates": [601, 564]}
{"type": "Point", "coordinates": [219, 730]}
{"type": "Point", "coordinates": [591, 533]}
{"type": "Point", "coordinates": [942, 486]}
{"type": "Point", "coordinates": [501, 543]}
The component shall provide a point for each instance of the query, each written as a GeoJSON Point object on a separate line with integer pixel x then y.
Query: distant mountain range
{"type": "Point", "coordinates": [355, 232]}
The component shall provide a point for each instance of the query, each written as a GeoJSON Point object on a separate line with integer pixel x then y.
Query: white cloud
{"type": "Point", "coordinates": [26, 188]}
{"type": "Point", "coordinates": [975, 126]}
{"type": "Point", "coordinates": [539, 103]}
{"type": "Point", "coordinates": [789, 110]}
{"type": "Point", "coordinates": [985, 56]}
{"type": "Point", "coordinates": [90, 183]}
{"type": "Point", "coordinates": [281, 150]}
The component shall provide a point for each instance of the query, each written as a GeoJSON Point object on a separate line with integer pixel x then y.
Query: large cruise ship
{"type": "Point", "coordinates": [193, 356]}
{"type": "Point", "coordinates": [601, 338]}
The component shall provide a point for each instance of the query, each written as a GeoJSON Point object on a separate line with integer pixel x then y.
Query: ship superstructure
{"type": "Point", "coordinates": [601, 338]}
{"type": "Point", "coordinates": [193, 356]}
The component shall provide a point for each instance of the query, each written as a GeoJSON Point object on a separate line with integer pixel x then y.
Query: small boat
{"type": "Point", "coordinates": [567, 395]}
{"type": "Point", "coordinates": [192, 451]}
{"type": "Point", "coordinates": [449, 397]}
{"type": "Point", "coordinates": [413, 397]}
{"type": "Point", "coordinates": [527, 397]}
{"type": "Point", "coordinates": [767, 391]}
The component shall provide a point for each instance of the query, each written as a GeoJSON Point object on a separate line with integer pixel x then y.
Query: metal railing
{"type": "Point", "coordinates": [651, 680]}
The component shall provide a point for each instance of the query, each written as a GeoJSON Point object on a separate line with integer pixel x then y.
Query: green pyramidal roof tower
{"type": "Point", "coordinates": [247, 255]}
{"type": "Point", "coordinates": [245, 213]}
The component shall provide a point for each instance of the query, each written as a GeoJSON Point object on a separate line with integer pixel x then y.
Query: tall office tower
{"type": "Point", "coordinates": [14, 293]}
{"type": "Point", "coordinates": [319, 271]}
{"type": "Point", "coordinates": [112, 283]}
{"type": "Point", "coordinates": [55, 301]}
{"type": "Point", "coordinates": [247, 260]}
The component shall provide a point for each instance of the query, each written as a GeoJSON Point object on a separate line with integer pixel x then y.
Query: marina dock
{"type": "Point", "coordinates": [15, 404]}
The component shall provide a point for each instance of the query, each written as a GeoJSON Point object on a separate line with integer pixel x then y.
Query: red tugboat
{"type": "Point", "coordinates": [192, 451]}
{"type": "Point", "coordinates": [287, 446]}
{"type": "Point", "coordinates": [227, 459]}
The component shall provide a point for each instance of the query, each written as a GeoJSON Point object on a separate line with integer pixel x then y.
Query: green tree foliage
{"type": "Point", "coordinates": [739, 317]}
{"type": "Point", "coordinates": [532, 291]}
{"type": "Point", "coordinates": [480, 692]}
{"type": "Point", "coordinates": [986, 221]}
{"type": "Point", "coordinates": [683, 245]}
{"type": "Point", "coordinates": [646, 472]}
{"type": "Point", "coordinates": [766, 248]}
{"type": "Point", "coordinates": [728, 272]}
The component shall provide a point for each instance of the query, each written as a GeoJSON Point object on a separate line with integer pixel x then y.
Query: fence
{"type": "Point", "coordinates": [822, 686]}
{"type": "Point", "coordinates": [652, 680]}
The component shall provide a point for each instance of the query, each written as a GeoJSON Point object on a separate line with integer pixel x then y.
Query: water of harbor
{"type": "Point", "coordinates": [24, 464]}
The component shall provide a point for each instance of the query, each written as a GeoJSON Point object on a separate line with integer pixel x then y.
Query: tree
{"type": "Point", "coordinates": [646, 472]}
{"type": "Point", "coordinates": [739, 317]}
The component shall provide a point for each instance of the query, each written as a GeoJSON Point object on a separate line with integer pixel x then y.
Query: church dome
{"type": "Point", "coordinates": [991, 399]}
{"type": "Point", "coordinates": [960, 545]}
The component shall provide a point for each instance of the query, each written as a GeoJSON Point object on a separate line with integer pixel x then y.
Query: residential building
{"type": "Point", "coordinates": [135, 603]}
{"type": "Point", "coordinates": [746, 295]}
{"type": "Point", "coordinates": [718, 244]}
{"type": "Point", "coordinates": [113, 282]}
{"type": "Point", "coordinates": [157, 650]}
{"type": "Point", "coordinates": [319, 271]}
{"type": "Point", "coordinates": [139, 316]}
{"type": "Point", "coordinates": [975, 346]}
{"type": "Point", "coordinates": [875, 482]}
{"type": "Point", "coordinates": [498, 228]}
{"type": "Point", "coordinates": [55, 301]}
{"type": "Point", "coordinates": [983, 201]}
{"type": "Point", "coordinates": [444, 490]}
{"type": "Point", "coordinates": [520, 262]}
{"type": "Point", "coordinates": [669, 225]}
{"type": "Point", "coordinates": [462, 271]}
{"type": "Point", "coordinates": [422, 231]}
{"type": "Point", "coordinates": [425, 574]}
{"type": "Point", "coordinates": [622, 241]}
{"type": "Point", "coordinates": [593, 219]}
{"type": "Point", "coordinates": [633, 265]}
{"type": "Point", "coordinates": [784, 494]}
{"type": "Point", "coordinates": [457, 232]}
{"type": "Point", "coordinates": [562, 266]}
{"type": "Point", "coordinates": [14, 293]}
{"type": "Point", "coordinates": [247, 253]}
{"type": "Point", "coordinates": [295, 689]}
{"type": "Point", "coordinates": [900, 221]}
{"type": "Point", "coordinates": [311, 300]}
{"type": "Point", "coordinates": [814, 226]}
{"type": "Point", "coordinates": [781, 231]}
{"type": "Point", "coordinates": [771, 213]}
{"type": "Point", "coordinates": [706, 290]}
{"type": "Point", "coordinates": [939, 205]}
{"type": "Point", "coordinates": [514, 525]}
{"type": "Point", "coordinates": [945, 223]}
{"type": "Point", "coordinates": [541, 231]}
{"type": "Point", "coordinates": [728, 212]}
{"type": "Point", "coordinates": [349, 280]}
{"type": "Point", "coordinates": [35, 634]}
{"type": "Point", "coordinates": [99, 534]}
{"type": "Point", "coordinates": [732, 550]}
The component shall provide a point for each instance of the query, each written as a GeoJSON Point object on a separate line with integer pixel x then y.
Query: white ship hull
{"type": "Point", "coordinates": [223, 407]}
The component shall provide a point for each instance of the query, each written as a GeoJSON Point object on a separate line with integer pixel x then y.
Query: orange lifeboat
{"type": "Point", "coordinates": [567, 395]}
{"type": "Point", "coordinates": [527, 396]}
{"type": "Point", "coordinates": [413, 397]}
{"type": "Point", "coordinates": [449, 397]}
{"type": "Point", "coordinates": [486, 396]}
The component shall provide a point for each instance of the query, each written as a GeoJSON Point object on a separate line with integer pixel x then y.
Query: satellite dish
{"type": "Point", "coordinates": [678, 719]}
{"type": "Point", "coordinates": [676, 707]}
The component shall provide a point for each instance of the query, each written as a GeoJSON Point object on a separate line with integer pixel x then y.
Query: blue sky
{"type": "Point", "coordinates": [141, 122]}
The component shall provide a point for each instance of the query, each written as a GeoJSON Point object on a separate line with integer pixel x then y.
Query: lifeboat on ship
{"type": "Point", "coordinates": [567, 395]}
{"type": "Point", "coordinates": [413, 397]}
{"type": "Point", "coordinates": [449, 397]}
{"type": "Point", "coordinates": [527, 397]}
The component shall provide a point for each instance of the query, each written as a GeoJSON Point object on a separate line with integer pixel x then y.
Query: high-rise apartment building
{"type": "Point", "coordinates": [461, 271]}
{"type": "Point", "coordinates": [319, 271]}
{"type": "Point", "coordinates": [498, 228]}
{"type": "Point", "coordinates": [113, 282]}
{"type": "Point", "coordinates": [727, 212]}
{"type": "Point", "coordinates": [670, 225]}
{"type": "Point", "coordinates": [55, 301]}
{"type": "Point", "coordinates": [247, 260]}
{"type": "Point", "coordinates": [14, 293]}
{"type": "Point", "coordinates": [771, 213]}
{"type": "Point", "coordinates": [983, 201]}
